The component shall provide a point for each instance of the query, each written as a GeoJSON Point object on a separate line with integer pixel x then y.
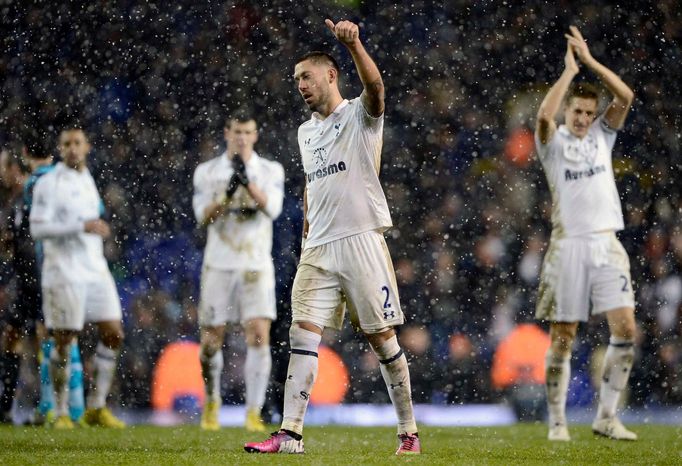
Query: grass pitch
{"type": "Point", "coordinates": [334, 445]}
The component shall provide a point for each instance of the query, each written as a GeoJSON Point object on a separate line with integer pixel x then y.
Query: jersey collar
{"type": "Point", "coordinates": [563, 129]}
{"type": "Point", "coordinates": [65, 168]}
{"type": "Point", "coordinates": [316, 116]}
{"type": "Point", "coordinates": [41, 170]}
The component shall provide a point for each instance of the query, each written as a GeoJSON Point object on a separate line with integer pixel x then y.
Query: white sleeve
{"type": "Point", "coordinates": [42, 222]}
{"type": "Point", "coordinates": [202, 197]}
{"type": "Point", "coordinates": [274, 190]}
{"type": "Point", "coordinates": [376, 124]}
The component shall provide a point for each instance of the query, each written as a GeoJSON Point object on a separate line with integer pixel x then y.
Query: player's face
{"type": "Point", "coordinates": [73, 148]}
{"type": "Point", "coordinates": [241, 136]}
{"type": "Point", "coordinates": [314, 82]}
{"type": "Point", "coordinates": [579, 115]}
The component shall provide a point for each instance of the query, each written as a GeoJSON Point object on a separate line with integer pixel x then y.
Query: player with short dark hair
{"type": "Point", "coordinates": [586, 270]}
{"type": "Point", "coordinates": [77, 285]}
{"type": "Point", "coordinates": [237, 196]}
{"type": "Point", "coordinates": [344, 262]}
{"type": "Point", "coordinates": [321, 58]}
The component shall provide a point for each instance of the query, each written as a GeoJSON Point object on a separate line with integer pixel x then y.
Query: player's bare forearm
{"type": "Point", "coordinates": [551, 104]}
{"type": "Point", "coordinates": [612, 81]}
{"type": "Point", "coordinates": [552, 101]}
{"type": "Point", "coordinates": [348, 34]}
{"type": "Point", "coordinates": [370, 76]}
{"type": "Point", "coordinates": [622, 94]}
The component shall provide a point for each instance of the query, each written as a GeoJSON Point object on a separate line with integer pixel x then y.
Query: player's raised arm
{"type": "Point", "coordinates": [622, 95]}
{"type": "Point", "coordinates": [546, 124]}
{"type": "Point", "coordinates": [372, 96]}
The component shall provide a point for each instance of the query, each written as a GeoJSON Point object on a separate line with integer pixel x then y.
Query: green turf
{"type": "Point", "coordinates": [521, 444]}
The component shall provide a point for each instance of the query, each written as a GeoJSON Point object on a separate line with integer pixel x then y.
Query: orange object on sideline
{"type": "Point", "coordinates": [332, 380]}
{"type": "Point", "coordinates": [520, 357]}
{"type": "Point", "coordinates": [177, 374]}
{"type": "Point", "coordinates": [519, 146]}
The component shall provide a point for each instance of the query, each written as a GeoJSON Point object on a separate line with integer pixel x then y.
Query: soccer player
{"type": "Point", "coordinates": [77, 285]}
{"type": "Point", "coordinates": [345, 261]}
{"type": "Point", "coordinates": [586, 270]}
{"type": "Point", "coordinates": [25, 317]}
{"type": "Point", "coordinates": [237, 196]}
{"type": "Point", "coordinates": [21, 316]}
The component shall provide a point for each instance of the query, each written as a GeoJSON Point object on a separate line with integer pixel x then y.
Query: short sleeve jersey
{"type": "Point", "coordinates": [341, 158]}
{"type": "Point", "coordinates": [580, 177]}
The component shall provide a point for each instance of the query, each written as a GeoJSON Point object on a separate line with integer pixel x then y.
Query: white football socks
{"type": "Point", "coordinates": [211, 370]}
{"type": "Point", "coordinates": [257, 375]}
{"type": "Point", "coordinates": [396, 375]}
{"type": "Point", "coordinates": [60, 371]}
{"type": "Point", "coordinates": [558, 374]}
{"type": "Point", "coordinates": [105, 366]}
{"type": "Point", "coordinates": [300, 377]}
{"type": "Point", "coordinates": [615, 373]}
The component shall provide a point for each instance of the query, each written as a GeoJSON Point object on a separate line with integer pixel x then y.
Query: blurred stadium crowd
{"type": "Point", "coordinates": [153, 83]}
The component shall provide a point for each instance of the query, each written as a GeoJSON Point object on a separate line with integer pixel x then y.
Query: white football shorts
{"type": "Point", "coordinates": [236, 296]}
{"type": "Point", "coordinates": [584, 275]}
{"type": "Point", "coordinates": [354, 272]}
{"type": "Point", "coordinates": [68, 305]}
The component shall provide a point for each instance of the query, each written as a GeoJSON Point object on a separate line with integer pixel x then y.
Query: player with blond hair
{"type": "Point", "coordinates": [586, 269]}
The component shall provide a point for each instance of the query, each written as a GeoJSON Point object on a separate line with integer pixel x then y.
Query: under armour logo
{"type": "Point", "coordinates": [396, 385]}
{"type": "Point", "coordinates": [305, 395]}
{"type": "Point", "coordinates": [291, 377]}
{"type": "Point", "coordinates": [389, 315]}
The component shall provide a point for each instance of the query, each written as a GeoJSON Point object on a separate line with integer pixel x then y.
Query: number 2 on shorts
{"type": "Point", "coordinates": [385, 289]}
{"type": "Point", "coordinates": [625, 283]}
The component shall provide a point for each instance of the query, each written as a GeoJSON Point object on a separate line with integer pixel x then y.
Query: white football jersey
{"type": "Point", "coordinates": [341, 159]}
{"type": "Point", "coordinates": [242, 239]}
{"type": "Point", "coordinates": [580, 177]}
{"type": "Point", "coordinates": [63, 200]}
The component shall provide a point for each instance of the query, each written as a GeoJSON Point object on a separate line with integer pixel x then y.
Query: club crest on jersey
{"type": "Point", "coordinates": [583, 151]}
{"type": "Point", "coordinates": [320, 157]}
